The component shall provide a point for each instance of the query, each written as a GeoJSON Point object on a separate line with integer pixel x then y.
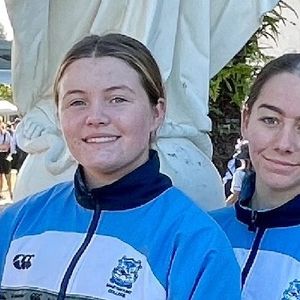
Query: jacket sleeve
{"type": "Point", "coordinates": [8, 223]}
{"type": "Point", "coordinates": [204, 265]}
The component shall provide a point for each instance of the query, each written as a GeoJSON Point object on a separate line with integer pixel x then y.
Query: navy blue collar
{"type": "Point", "coordinates": [285, 215]}
{"type": "Point", "coordinates": [135, 189]}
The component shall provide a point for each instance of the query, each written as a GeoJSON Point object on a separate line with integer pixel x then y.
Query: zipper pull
{"type": "Point", "coordinates": [252, 225]}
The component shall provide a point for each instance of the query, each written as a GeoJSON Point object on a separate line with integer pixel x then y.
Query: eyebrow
{"type": "Point", "coordinates": [276, 109]}
{"type": "Point", "coordinates": [271, 107]}
{"type": "Point", "coordinates": [70, 92]}
{"type": "Point", "coordinates": [119, 87]}
{"type": "Point", "coordinates": [110, 89]}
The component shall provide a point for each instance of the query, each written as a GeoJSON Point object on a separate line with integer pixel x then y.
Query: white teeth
{"type": "Point", "coordinates": [101, 139]}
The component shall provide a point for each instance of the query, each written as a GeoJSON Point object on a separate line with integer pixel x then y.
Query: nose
{"type": "Point", "coordinates": [288, 139]}
{"type": "Point", "coordinates": [98, 114]}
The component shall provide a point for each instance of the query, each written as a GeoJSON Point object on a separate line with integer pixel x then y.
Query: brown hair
{"type": "Point", "coordinates": [130, 50]}
{"type": "Point", "coordinates": [287, 63]}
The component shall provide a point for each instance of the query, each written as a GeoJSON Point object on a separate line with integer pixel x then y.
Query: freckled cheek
{"type": "Point", "coordinates": [258, 149]}
{"type": "Point", "coordinates": [254, 156]}
{"type": "Point", "coordinates": [259, 140]}
{"type": "Point", "coordinates": [76, 147]}
{"type": "Point", "coordinates": [140, 134]}
{"type": "Point", "coordinates": [144, 125]}
{"type": "Point", "coordinates": [70, 131]}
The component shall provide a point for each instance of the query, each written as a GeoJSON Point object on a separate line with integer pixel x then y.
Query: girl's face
{"type": "Point", "coordinates": [273, 131]}
{"type": "Point", "coordinates": [106, 117]}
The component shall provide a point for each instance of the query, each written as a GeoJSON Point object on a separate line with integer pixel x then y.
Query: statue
{"type": "Point", "coordinates": [191, 40]}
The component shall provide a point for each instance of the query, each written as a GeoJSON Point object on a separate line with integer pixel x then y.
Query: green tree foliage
{"type": "Point", "coordinates": [238, 75]}
{"type": "Point", "coordinates": [5, 92]}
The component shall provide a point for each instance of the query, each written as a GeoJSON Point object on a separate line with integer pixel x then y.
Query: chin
{"type": "Point", "coordinates": [100, 166]}
{"type": "Point", "coordinates": [282, 185]}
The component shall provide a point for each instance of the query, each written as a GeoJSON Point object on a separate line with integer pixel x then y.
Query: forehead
{"type": "Point", "coordinates": [99, 70]}
{"type": "Point", "coordinates": [282, 91]}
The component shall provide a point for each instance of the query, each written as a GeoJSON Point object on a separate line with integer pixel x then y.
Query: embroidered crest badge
{"type": "Point", "coordinates": [126, 272]}
{"type": "Point", "coordinates": [293, 291]}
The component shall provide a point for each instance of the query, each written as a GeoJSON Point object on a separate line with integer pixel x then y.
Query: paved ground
{"type": "Point", "coordinates": [5, 202]}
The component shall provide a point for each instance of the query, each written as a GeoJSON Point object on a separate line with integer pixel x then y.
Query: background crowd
{"type": "Point", "coordinates": [11, 156]}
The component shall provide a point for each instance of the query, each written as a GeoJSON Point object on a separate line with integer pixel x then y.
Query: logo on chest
{"type": "Point", "coordinates": [293, 291]}
{"type": "Point", "coordinates": [124, 276]}
{"type": "Point", "coordinates": [22, 261]}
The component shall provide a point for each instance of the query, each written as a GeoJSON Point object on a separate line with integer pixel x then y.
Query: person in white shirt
{"type": "Point", "coordinates": [6, 150]}
{"type": "Point", "coordinates": [239, 174]}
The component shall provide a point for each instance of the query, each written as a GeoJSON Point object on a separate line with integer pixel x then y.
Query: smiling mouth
{"type": "Point", "coordinates": [282, 163]}
{"type": "Point", "coordinates": [104, 139]}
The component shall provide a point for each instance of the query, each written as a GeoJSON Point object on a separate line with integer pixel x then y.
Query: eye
{"type": "Point", "coordinates": [77, 102]}
{"type": "Point", "coordinates": [117, 100]}
{"type": "Point", "coordinates": [272, 121]}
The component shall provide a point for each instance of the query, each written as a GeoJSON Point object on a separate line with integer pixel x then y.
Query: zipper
{"type": "Point", "coordinates": [91, 231]}
{"type": "Point", "coordinates": [253, 251]}
{"type": "Point", "coordinates": [252, 225]}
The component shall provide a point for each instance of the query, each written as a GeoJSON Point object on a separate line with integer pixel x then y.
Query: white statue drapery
{"type": "Point", "coordinates": [191, 40]}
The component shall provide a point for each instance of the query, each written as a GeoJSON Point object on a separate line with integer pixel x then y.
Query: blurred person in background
{"type": "Point", "coordinates": [245, 167]}
{"type": "Point", "coordinates": [19, 155]}
{"type": "Point", "coordinates": [6, 151]}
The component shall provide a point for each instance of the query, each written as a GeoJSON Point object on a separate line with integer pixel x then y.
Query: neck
{"type": "Point", "coordinates": [96, 178]}
{"type": "Point", "coordinates": [267, 198]}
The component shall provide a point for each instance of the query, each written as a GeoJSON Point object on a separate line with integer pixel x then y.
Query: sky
{"type": "Point", "coordinates": [5, 21]}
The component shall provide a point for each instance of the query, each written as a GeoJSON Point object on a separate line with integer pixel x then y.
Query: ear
{"type": "Point", "coordinates": [159, 112]}
{"type": "Point", "coordinates": [245, 116]}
